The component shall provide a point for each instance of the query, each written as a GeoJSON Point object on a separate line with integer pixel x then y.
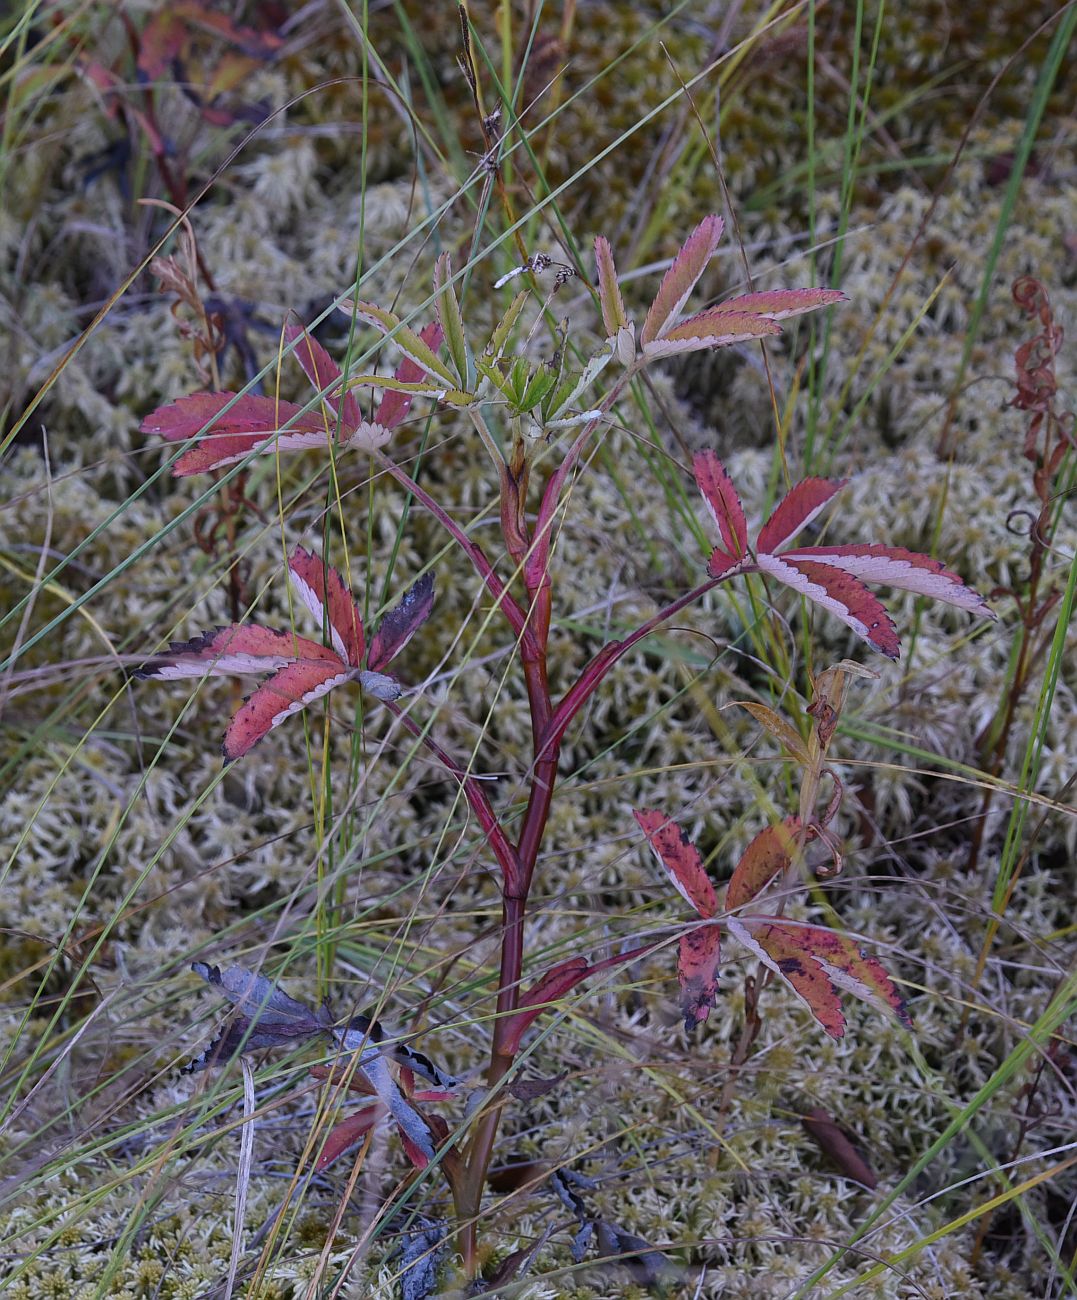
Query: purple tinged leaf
{"type": "Point", "coordinates": [647, 1267]}
{"type": "Point", "coordinates": [699, 333]}
{"type": "Point", "coordinates": [423, 1249]}
{"type": "Point", "coordinates": [722, 500]}
{"type": "Point", "coordinates": [396, 403]}
{"type": "Point", "coordinates": [778, 304]}
{"type": "Point", "coordinates": [614, 316]}
{"type": "Point", "coordinates": [324, 373]}
{"type": "Point", "coordinates": [697, 970]}
{"type": "Point", "coordinates": [265, 1015]}
{"type": "Point", "coordinates": [798, 508]}
{"type": "Point", "coordinates": [251, 424]}
{"type": "Point", "coordinates": [682, 277]}
{"type": "Point", "coordinates": [402, 622]}
{"type": "Point", "coordinates": [361, 1037]}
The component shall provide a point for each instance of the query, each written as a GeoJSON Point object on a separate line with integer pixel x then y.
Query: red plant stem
{"type": "Point", "coordinates": [505, 853]}
{"type": "Point", "coordinates": [549, 726]}
{"type": "Point", "coordinates": [592, 675]}
{"type": "Point", "coordinates": [501, 594]}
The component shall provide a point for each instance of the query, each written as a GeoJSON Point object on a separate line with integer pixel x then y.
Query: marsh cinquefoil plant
{"type": "Point", "coordinates": [541, 402]}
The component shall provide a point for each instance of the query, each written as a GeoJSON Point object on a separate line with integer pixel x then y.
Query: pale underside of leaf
{"type": "Point", "coordinates": [312, 580]}
{"type": "Point", "coordinates": [682, 277]}
{"type": "Point", "coordinates": [292, 688]}
{"type": "Point", "coordinates": [796, 510]}
{"type": "Point", "coordinates": [680, 859]}
{"type": "Point", "coordinates": [258, 999]}
{"type": "Point", "coordinates": [380, 685]}
{"type": "Point", "coordinates": [840, 594]}
{"type": "Point", "coordinates": [699, 333]}
{"type": "Point", "coordinates": [369, 435]}
{"type": "Point", "coordinates": [804, 975]}
{"type": "Point", "coordinates": [235, 650]}
{"type": "Point", "coordinates": [893, 566]}
{"type": "Point", "coordinates": [376, 1068]}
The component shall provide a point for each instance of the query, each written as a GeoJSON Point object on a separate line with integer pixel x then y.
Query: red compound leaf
{"type": "Point", "coordinates": [680, 859]}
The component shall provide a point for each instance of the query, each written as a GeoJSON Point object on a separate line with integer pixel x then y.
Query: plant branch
{"type": "Point", "coordinates": [507, 857]}
{"type": "Point", "coordinates": [503, 598]}
{"type": "Point", "coordinates": [593, 674]}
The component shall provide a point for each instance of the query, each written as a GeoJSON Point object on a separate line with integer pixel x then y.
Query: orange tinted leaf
{"type": "Point", "coordinates": [778, 728]}
{"type": "Point", "coordinates": [788, 958]}
{"type": "Point", "coordinates": [768, 855]}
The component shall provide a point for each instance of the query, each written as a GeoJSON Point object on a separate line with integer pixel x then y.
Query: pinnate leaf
{"type": "Point", "coordinates": [699, 332]}
{"type": "Point", "coordinates": [778, 728]}
{"type": "Point", "coordinates": [452, 322]}
{"type": "Point", "coordinates": [697, 970]}
{"type": "Point", "coordinates": [323, 591]}
{"type": "Point", "coordinates": [345, 1133]}
{"type": "Point", "coordinates": [796, 510]}
{"type": "Point", "coordinates": [324, 373]}
{"type": "Point", "coordinates": [402, 622]}
{"type": "Point", "coordinates": [288, 691]}
{"type": "Point", "coordinates": [816, 962]}
{"type": "Point", "coordinates": [414, 347]}
{"type": "Point", "coordinates": [893, 566]}
{"type": "Point", "coordinates": [680, 859]}
{"type": "Point", "coordinates": [840, 593]}
{"type": "Point", "coordinates": [233, 651]}
{"type": "Point", "coordinates": [614, 316]}
{"type": "Point", "coordinates": [723, 502]}
{"type": "Point", "coordinates": [682, 277]}
{"type": "Point", "coordinates": [396, 402]}
{"type": "Point", "coordinates": [768, 855]}
{"type": "Point", "coordinates": [778, 304]}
